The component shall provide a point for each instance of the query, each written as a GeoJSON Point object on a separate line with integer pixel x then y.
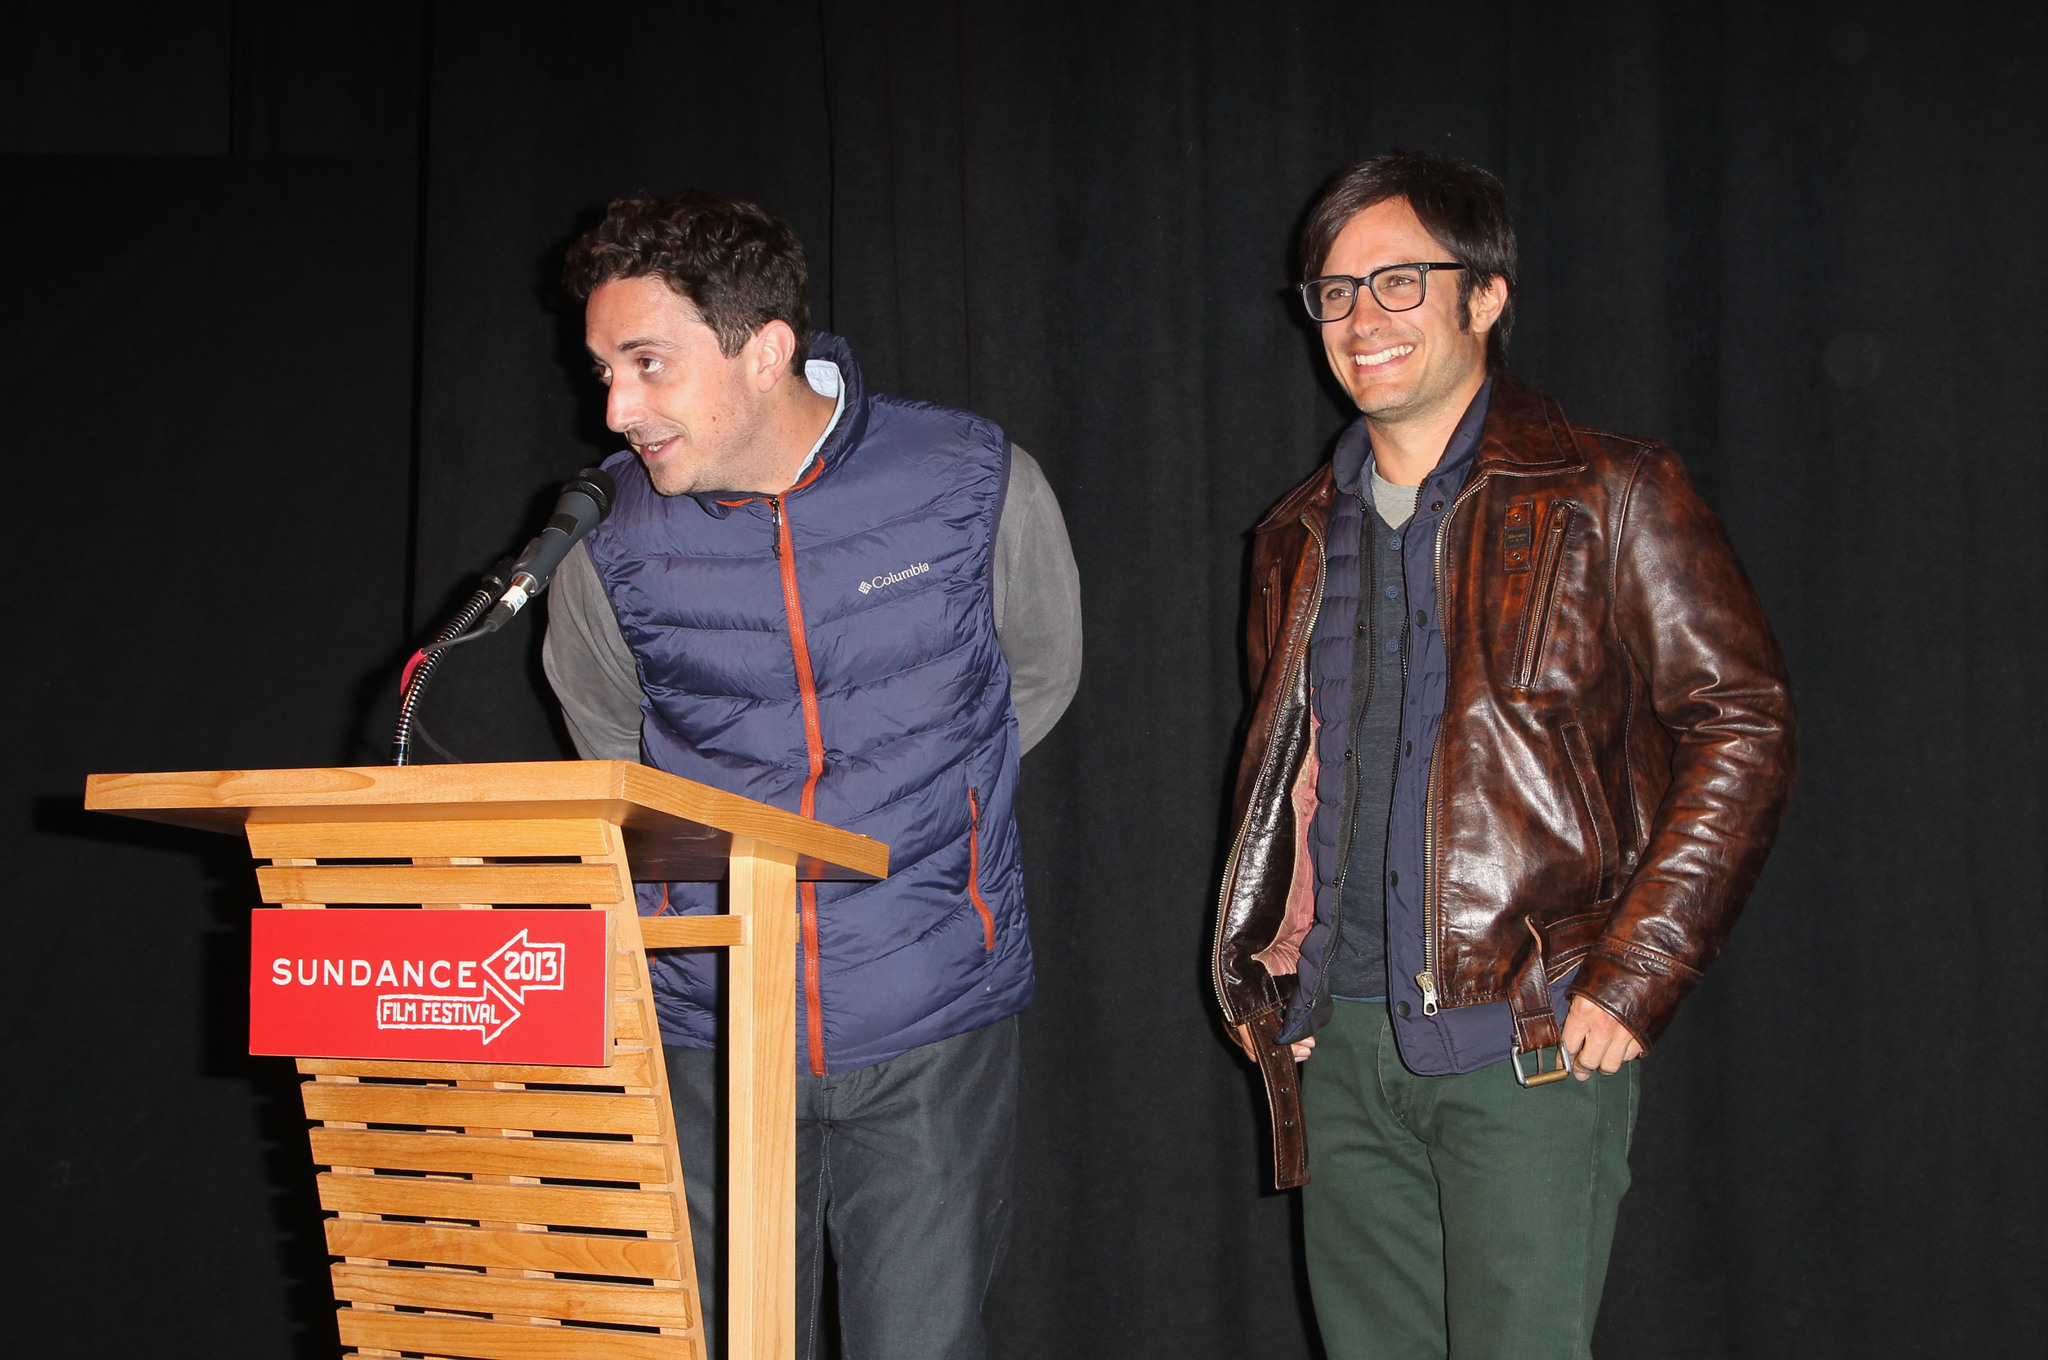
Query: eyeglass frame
{"type": "Point", "coordinates": [1364, 283]}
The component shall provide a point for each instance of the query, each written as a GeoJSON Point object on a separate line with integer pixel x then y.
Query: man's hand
{"type": "Point", "coordinates": [1592, 1038]}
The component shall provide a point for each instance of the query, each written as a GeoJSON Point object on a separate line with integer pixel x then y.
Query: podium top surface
{"type": "Point", "coordinates": [675, 829]}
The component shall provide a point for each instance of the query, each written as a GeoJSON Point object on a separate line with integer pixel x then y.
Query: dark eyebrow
{"type": "Point", "coordinates": [637, 342]}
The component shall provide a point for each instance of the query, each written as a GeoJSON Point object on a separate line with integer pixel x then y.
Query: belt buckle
{"type": "Point", "coordinates": [1540, 1077]}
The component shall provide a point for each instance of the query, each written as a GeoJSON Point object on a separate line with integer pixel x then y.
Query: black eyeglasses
{"type": "Point", "coordinates": [1396, 287]}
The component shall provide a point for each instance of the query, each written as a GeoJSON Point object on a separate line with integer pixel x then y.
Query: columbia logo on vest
{"type": "Point", "coordinates": [877, 582]}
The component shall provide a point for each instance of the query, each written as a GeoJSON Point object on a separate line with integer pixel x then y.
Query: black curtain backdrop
{"type": "Point", "coordinates": [287, 367]}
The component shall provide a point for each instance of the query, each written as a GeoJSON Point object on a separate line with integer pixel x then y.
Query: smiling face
{"type": "Point", "coordinates": [1415, 366]}
{"type": "Point", "coordinates": [697, 418]}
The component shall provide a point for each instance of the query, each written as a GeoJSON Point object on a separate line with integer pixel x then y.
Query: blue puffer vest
{"type": "Point", "coordinates": [833, 651]}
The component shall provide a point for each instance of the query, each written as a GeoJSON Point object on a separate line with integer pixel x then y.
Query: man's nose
{"type": "Point", "coordinates": [621, 406]}
{"type": "Point", "coordinates": [1366, 312]}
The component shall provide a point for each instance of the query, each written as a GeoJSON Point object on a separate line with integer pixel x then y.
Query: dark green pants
{"type": "Point", "coordinates": [1464, 1217]}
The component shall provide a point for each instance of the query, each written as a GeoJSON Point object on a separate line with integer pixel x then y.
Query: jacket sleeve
{"type": "Point", "coordinates": [1695, 633]}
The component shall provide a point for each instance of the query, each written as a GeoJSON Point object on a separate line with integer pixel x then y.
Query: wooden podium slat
{"type": "Point", "coordinates": [579, 1253]}
{"type": "Point", "coordinates": [508, 884]}
{"type": "Point", "coordinates": [502, 1340]}
{"type": "Point", "coordinates": [634, 1305]}
{"type": "Point", "coordinates": [692, 932]}
{"type": "Point", "coordinates": [564, 1206]}
{"type": "Point", "coordinates": [446, 1107]}
{"type": "Point", "coordinates": [630, 1067]}
{"type": "Point", "coordinates": [568, 1158]}
{"type": "Point", "coordinates": [553, 836]}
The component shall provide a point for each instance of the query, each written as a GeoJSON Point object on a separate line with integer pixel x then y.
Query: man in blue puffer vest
{"type": "Point", "coordinates": [862, 609]}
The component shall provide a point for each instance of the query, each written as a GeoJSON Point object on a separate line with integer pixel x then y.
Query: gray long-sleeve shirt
{"type": "Point", "coordinates": [1038, 622]}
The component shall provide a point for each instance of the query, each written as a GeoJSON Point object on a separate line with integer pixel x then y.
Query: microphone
{"type": "Point", "coordinates": [585, 500]}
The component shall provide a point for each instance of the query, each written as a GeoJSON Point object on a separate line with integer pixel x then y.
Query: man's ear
{"type": "Point", "coordinates": [770, 353]}
{"type": "Point", "coordinates": [1488, 301]}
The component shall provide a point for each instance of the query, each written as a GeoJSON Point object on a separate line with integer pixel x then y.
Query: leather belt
{"type": "Point", "coordinates": [1536, 1029]}
{"type": "Point", "coordinates": [1282, 1077]}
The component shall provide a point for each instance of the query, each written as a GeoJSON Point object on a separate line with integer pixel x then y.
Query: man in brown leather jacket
{"type": "Point", "coordinates": [1519, 744]}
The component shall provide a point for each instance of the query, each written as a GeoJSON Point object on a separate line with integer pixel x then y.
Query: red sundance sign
{"type": "Point", "coordinates": [431, 986]}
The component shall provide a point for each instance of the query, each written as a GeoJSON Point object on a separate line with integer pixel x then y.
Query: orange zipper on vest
{"type": "Point", "coordinates": [988, 921]}
{"type": "Point", "coordinates": [814, 743]}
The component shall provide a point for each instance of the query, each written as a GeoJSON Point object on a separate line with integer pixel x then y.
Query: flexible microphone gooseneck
{"type": "Point", "coordinates": [506, 589]}
{"type": "Point", "coordinates": [412, 683]}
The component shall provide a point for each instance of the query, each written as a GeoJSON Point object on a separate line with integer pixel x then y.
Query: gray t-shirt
{"type": "Point", "coordinates": [1038, 623]}
{"type": "Point", "coordinates": [1396, 504]}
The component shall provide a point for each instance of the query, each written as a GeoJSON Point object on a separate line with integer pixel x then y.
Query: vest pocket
{"type": "Point", "coordinates": [988, 920]}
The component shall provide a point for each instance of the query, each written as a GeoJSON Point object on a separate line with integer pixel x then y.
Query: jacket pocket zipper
{"type": "Point", "coordinates": [988, 920]}
{"type": "Point", "coordinates": [1543, 598]}
{"type": "Point", "coordinates": [1579, 752]}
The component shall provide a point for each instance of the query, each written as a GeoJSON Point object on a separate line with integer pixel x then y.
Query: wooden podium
{"type": "Point", "coordinates": [536, 1212]}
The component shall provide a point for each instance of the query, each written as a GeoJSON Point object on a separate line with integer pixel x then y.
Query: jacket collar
{"type": "Point", "coordinates": [1345, 472]}
{"type": "Point", "coordinates": [1526, 432]}
{"type": "Point", "coordinates": [1311, 498]}
{"type": "Point", "coordinates": [845, 436]}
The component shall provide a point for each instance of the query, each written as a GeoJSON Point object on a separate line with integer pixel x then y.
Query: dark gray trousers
{"type": "Point", "coordinates": [906, 1164]}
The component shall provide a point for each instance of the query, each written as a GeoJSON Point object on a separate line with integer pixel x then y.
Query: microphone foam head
{"type": "Point", "coordinates": [598, 485]}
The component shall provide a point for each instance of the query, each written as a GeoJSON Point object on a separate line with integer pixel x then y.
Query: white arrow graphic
{"type": "Point", "coordinates": [430, 1010]}
{"type": "Point", "coordinates": [511, 1014]}
{"type": "Point", "coordinates": [521, 966]}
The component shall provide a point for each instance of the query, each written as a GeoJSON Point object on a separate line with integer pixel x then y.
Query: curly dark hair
{"type": "Point", "coordinates": [741, 267]}
{"type": "Point", "coordinates": [1459, 204]}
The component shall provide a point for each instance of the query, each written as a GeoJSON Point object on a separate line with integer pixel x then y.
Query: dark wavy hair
{"type": "Point", "coordinates": [741, 267]}
{"type": "Point", "coordinates": [1461, 205]}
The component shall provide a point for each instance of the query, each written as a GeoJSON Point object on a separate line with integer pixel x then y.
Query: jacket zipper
{"type": "Point", "coordinates": [1426, 979]}
{"type": "Point", "coordinates": [814, 744]}
{"type": "Point", "coordinates": [1546, 584]}
{"type": "Point", "coordinates": [1265, 768]}
{"type": "Point", "coordinates": [988, 920]}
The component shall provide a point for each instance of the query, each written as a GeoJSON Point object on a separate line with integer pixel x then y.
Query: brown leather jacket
{"type": "Point", "coordinates": [1615, 756]}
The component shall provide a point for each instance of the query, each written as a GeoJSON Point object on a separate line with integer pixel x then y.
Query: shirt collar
{"type": "Point", "coordinates": [1353, 455]}
{"type": "Point", "coordinates": [825, 379]}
